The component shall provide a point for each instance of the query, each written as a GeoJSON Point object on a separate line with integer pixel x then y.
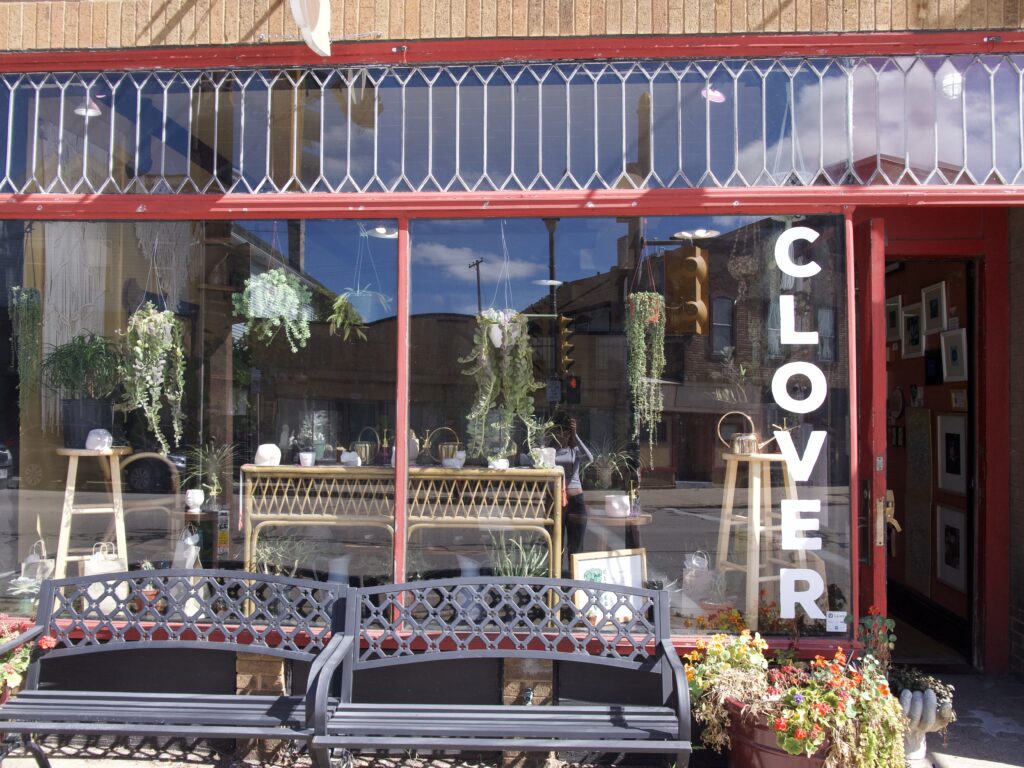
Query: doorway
{"type": "Point", "coordinates": [930, 437]}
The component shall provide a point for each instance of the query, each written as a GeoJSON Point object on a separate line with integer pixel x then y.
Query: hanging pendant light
{"type": "Point", "coordinates": [313, 18]}
{"type": "Point", "coordinates": [88, 108]}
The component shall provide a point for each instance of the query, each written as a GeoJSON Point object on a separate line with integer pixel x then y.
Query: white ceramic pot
{"type": "Point", "coordinates": [194, 498]}
{"type": "Point", "coordinates": [547, 457]}
{"type": "Point", "coordinates": [495, 335]}
{"type": "Point", "coordinates": [267, 455]}
{"type": "Point", "coordinates": [498, 464]}
{"type": "Point", "coordinates": [307, 458]}
{"type": "Point", "coordinates": [616, 505]}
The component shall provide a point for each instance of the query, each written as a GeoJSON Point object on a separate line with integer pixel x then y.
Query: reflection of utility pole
{"type": "Point", "coordinates": [552, 225]}
{"type": "Point", "coordinates": [479, 299]}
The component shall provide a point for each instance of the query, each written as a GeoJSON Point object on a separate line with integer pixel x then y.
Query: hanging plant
{"type": "Point", "coordinates": [154, 368]}
{"type": "Point", "coordinates": [645, 364]}
{"type": "Point", "coordinates": [273, 301]}
{"type": "Point", "coordinates": [26, 311]}
{"type": "Point", "coordinates": [502, 365]}
{"type": "Point", "coordinates": [345, 319]}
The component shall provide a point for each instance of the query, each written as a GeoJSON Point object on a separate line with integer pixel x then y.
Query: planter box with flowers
{"type": "Point", "coordinates": [832, 712]}
{"type": "Point", "coordinates": [14, 663]}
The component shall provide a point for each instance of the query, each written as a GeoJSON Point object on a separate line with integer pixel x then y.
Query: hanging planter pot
{"type": "Point", "coordinates": [495, 334]}
{"type": "Point", "coordinates": [645, 364]}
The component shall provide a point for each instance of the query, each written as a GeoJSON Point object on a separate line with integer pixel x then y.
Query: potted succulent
{"type": "Point", "coordinates": [645, 362]}
{"type": "Point", "coordinates": [154, 369]}
{"type": "Point", "coordinates": [150, 592]}
{"type": "Point", "coordinates": [85, 371]}
{"type": "Point", "coordinates": [205, 467]}
{"type": "Point", "coordinates": [927, 703]}
{"type": "Point", "coordinates": [830, 712]}
{"type": "Point", "coordinates": [275, 301]}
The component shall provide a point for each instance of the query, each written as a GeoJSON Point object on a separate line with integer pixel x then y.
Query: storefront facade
{"type": "Point", "coordinates": [759, 185]}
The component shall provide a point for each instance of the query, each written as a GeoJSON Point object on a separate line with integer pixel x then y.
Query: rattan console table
{"type": "Point", "coordinates": [510, 499]}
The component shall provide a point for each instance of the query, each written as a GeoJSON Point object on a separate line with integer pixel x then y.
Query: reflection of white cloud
{"type": "Point", "coordinates": [587, 260]}
{"type": "Point", "coordinates": [455, 262]}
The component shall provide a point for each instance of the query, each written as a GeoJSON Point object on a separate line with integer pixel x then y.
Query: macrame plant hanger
{"type": "Point", "coordinates": [504, 281]}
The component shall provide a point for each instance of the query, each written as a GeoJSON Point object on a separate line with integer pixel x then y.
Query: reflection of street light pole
{"type": "Point", "coordinates": [479, 299]}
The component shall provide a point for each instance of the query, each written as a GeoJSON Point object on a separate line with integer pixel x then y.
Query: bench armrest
{"type": "Point", "coordinates": [320, 675]}
{"type": "Point", "coordinates": [25, 637]}
{"type": "Point", "coordinates": [682, 688]}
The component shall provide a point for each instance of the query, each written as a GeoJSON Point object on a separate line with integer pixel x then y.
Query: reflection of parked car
{"type": "Point", "coordinates": [6, 466]}
{"type": "Point", "coordinates": [153, 473]}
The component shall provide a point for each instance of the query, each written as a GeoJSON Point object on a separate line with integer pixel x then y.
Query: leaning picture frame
{"type": "Point", "coordinates": [951, 547]}
{"type": "Point", "coordinates": [624, 567]}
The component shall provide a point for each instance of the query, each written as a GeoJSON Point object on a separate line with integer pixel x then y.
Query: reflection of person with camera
{"type": "Point", "coordinates": [570, 454]}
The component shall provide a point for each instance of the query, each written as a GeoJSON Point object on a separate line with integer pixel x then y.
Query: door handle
{"type": "Point", "coordinates": [890, 511]}
{"type": "Point", "coordinates": [885, 514]}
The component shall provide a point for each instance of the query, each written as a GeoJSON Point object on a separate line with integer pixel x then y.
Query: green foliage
{"type": "Point", "coordinates": [154, 368]}
{"type": "Point", "coordinates": [504, 386]}
{"type": "Point", "coordinates": [87, 366]}
{"type": "Point", "coordinates": [26, 311]}
{"type": "Point", "coordinates": [645, 362]}
{"type": "Point", "coordinates": [876, 632]}
{"type": "Point", "coordinates": [273, 301]}
{"type": "Point", "coordinates": [905, 678]}
{"type": "Point", "coordinates": [205, 465]}
{"type": "Point", "coordinates": [511, 557]}
{"type": "Point", "coordinates": [608, 463]}
{"type": "Point", "coordinates": [344, 319]}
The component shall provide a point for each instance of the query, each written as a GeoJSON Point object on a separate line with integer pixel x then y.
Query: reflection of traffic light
{"type": "Point", "coordinates": [572, 390]}
{"type": "Point", "coordinates": [688, 275]}
{"type": "Point", "coordinates": [565, 345]}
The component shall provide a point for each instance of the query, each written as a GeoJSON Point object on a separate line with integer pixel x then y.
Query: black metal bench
{"type": "Point", "coordinates": [174, 609]}
{"type": "Point", "coordinates": [560, 620]}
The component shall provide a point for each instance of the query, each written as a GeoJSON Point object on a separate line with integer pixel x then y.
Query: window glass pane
{"type": "Point", "coordinates": [545, 283]}
{"type": "Point", "coordinates": [242, 294]}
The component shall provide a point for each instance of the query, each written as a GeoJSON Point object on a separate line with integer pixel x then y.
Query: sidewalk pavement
{"type": "Point", "coordinates": [989, 733]}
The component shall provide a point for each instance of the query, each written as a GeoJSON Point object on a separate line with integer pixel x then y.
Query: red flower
{"type": "Point", "coordinates": [883, 689]}
{"type": "Point", "coordinates": [46, 642]}
{"type": "Point", "coordinates": [816, 730]}
{"type": "Point", "coordinates": [823, 708]}
{"type": "Point", "coordinates": [799, 733]}
{"type": "Point", "coordinates": [780, 724]}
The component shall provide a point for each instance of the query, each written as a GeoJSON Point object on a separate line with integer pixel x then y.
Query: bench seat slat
{"type": "Point", "coordinates": [605, 722]}
{"type": "Point", "coordinates": [566, 744]}
{"type": "Point", "coordinates": [43, 726]}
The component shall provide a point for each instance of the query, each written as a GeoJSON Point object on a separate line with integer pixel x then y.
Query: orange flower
{"type": "Point", "coordinates": [46, 642]}
{"type": "Point", "coordinates": [883, 689]}
{"type": "Point", "coordinates": [690, 673]}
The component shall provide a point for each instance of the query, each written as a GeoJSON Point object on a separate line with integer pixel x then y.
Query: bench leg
{"type": "Point", "coordinates": [35, 750]}
{"type": "Point", "coordinates": [331, 758]}
{"type": "Point", "coordinates": [682, 760]}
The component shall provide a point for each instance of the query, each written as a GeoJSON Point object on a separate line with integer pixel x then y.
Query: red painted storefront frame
{"type": "Point", "coordinates": [406, 207]}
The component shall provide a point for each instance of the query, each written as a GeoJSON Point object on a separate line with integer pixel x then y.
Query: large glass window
{"type": "Point", "coordinates": [741, 531]}
{"type": "Point", "coordinates": [287, 341]}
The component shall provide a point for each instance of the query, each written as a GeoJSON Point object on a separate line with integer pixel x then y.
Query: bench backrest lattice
{"type": "Point", "coordinates": [500, 617]}
{"type": "Point", "coordinates": [213, 609]}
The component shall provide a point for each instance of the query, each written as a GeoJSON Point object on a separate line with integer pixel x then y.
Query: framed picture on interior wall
{"type": "Point", "coordinates": [913, 338]}
{"type": "Point", "coordinates": [954, 355]}
{"type": "Point", "coordinates": [951, 547]}
{"type": "Point", "coordinates": [958, 399]}
{"type": "Point", "coordinates": [932, 366]}
{"type": "Point", "coordinates": [893, 308]}
{"type": "Point", "coordinates": [952, 452]}
{"type": "Point", "coordinates": [625, 567]}
{"type": "Point", "coordinates": [933, 308]}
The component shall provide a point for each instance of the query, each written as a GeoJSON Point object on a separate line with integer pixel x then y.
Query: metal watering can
{"type": "Point", "coordinates": [743, 443]}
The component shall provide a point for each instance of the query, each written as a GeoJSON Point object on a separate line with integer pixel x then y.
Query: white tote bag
{"type": "Point", "coordinates": [186, 557]}
{"type": "Point", "coordinates": [103, 560]}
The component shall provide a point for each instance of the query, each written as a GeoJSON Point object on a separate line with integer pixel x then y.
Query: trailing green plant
{"type": "Point", "coordinates": [511, 557]}
{"type": "Point", "coordinates": [877, 633]}
{"type": "Point", "coordinates": [154, 368]}
{"type": "Point", "coordinates": [505, 385]}
{"type": "Point", "coordinates": [344, 319]}
{"type": "Point", "coordinates": [608, 462]}
{"type": "Point", "coordinates": [26, 312]}
{"type": "Point", "coordinates": [205, 465]}
{"type": "Point", "coordinates": [274, 301]}
{"type": "Point", "coordinates": [645, 362]}
{"type": "Point", "coordinates": [86, 366]}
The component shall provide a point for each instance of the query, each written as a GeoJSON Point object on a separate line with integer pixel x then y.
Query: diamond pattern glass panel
{"type": "Point", "coordinates": [572, 125]}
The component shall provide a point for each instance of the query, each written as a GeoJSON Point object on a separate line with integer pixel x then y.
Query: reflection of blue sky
{"type": "Point", "coordinates": [338, 255]}
{"type": "Point", "coordinates": [442, 280]}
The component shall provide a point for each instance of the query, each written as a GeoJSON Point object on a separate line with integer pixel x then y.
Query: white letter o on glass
{"type": "Point", "coordinates": [813, 401]}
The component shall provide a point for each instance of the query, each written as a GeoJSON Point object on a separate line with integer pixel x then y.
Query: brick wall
{"type": "Point", "coordinates": [1016, 444]}
{"type": "Point", "coordinates": [60, 24]}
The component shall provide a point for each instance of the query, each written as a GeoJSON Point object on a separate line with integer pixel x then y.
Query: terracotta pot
{"type": "Point", "coordinates": [753, 745]}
